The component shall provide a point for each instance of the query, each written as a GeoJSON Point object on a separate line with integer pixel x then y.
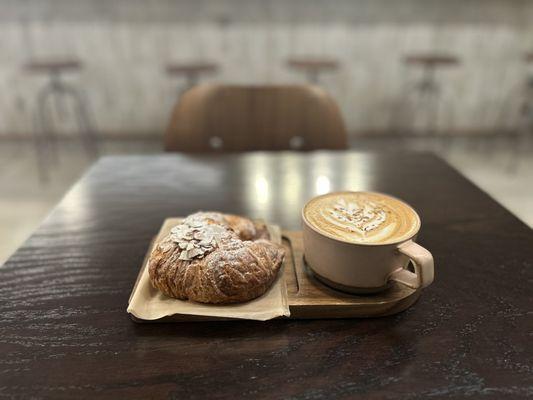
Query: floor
{"type": "Point", "coordinates": [492, 163]}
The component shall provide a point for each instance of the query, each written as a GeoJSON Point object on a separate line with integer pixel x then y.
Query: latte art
{"type": "Point", "coordinates": [356, 217]}
{"type": "Point", "coordinates": [362, 217]}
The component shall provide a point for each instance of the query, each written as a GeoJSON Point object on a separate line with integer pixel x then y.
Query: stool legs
{"type": "Point", "coordinates": [84, 119]}
{"type": "Point", "coordinates": [56, 87]}
{"type": "Point", "coordinates": [41, 149]}
{"type": "Point", "coordinates": [55, 94]}
{"type": "Point", "coordinates": [521, 139]}
{"type": "Point", "coordinates": [45, 122]}
{"type": "Point", "coordinates": [430, 96]}
{"type": "Point", "coordinates": [191, 79]}
{"type": "Point", "coordinates": [426, 103]}
{"type": "Point", "coordinates": [312, 76]}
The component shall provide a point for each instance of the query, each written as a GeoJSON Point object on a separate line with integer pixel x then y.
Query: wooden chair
{"type": "Point", "coordinates": [244, 118]}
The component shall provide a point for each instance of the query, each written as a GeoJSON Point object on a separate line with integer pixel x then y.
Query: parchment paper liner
{"type": "Point", "coordinates": [148, 303]}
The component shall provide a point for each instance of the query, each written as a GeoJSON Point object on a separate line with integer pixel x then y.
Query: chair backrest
{"type": "Point", "coordinates": [243, 118]}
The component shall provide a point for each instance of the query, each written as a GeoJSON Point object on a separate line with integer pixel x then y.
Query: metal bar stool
{"type": "Point", "coordinates": [55, 93]}
{"type": "Point", "coordinates": [191, 72]}
{"type": "Point", "coordinates": [428, 88]}
{"type": "Point", "coordinates": [313, 67]}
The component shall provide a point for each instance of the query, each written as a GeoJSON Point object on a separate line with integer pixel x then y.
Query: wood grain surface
{"type": "Point", "coordinates": [64, 332]}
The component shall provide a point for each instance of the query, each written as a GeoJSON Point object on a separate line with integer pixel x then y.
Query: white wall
{"type": "Point", "coordinates": [126, 43]}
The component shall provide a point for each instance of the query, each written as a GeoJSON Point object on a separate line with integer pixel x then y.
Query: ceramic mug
{"type": "Point", "coordinates": [366, 267]}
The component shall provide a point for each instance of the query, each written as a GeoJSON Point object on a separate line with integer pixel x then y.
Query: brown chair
{"type": "Point", "coordinates": [244, 118]}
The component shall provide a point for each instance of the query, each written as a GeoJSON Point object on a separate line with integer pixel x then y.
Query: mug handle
{"type": "Point", "coordinates": [424, 266]}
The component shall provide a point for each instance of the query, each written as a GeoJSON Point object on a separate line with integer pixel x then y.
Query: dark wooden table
{"type": "Point", "coordinates": [64, 331]}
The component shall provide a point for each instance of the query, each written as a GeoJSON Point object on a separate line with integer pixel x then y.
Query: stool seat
{"type": "Point", "coordinates": [431, 60]}
{"type": "Point", "coordinates": [191, 68]}
{"type": "Point", "coordinates": [190, 71]}
{"type": "Point", "coordinates": [313, 67]}
{"type": "Point", "coordinates": [53, 65]}
{"type": "Point", "coordinates": [313, 63]}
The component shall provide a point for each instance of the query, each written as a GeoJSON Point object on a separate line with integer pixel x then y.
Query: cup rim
{"type": "Point", "coordinates": [329, 236]}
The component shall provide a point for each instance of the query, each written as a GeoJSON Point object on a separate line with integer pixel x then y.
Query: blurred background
{"type": "Point", "coordinates": [80, 79]}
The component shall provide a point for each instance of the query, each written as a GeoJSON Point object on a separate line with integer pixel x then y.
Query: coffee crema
{"type": "Point", "coordinates": [362, 217]}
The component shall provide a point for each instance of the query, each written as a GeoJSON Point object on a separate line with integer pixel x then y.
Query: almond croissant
{"type": "Point", "coordinates": [215, 258]}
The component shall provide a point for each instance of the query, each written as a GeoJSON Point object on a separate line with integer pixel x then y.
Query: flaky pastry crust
{"type": "Point", "coordinates": [215, 258]}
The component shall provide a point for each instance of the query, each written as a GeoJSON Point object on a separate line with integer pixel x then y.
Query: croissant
{"type": "Point", "coordinates": [215, 258]}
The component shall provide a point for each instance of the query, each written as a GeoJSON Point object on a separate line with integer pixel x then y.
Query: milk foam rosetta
{"type": "Point", "coordinates": [362, 217]}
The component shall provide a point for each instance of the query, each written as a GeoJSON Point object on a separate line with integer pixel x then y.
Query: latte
{"type": "Point", "coordinates": [362, 217]}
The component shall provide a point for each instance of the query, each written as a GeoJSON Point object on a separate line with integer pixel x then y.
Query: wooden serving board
{"type": "Point", "coordinates": [309, 298]}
